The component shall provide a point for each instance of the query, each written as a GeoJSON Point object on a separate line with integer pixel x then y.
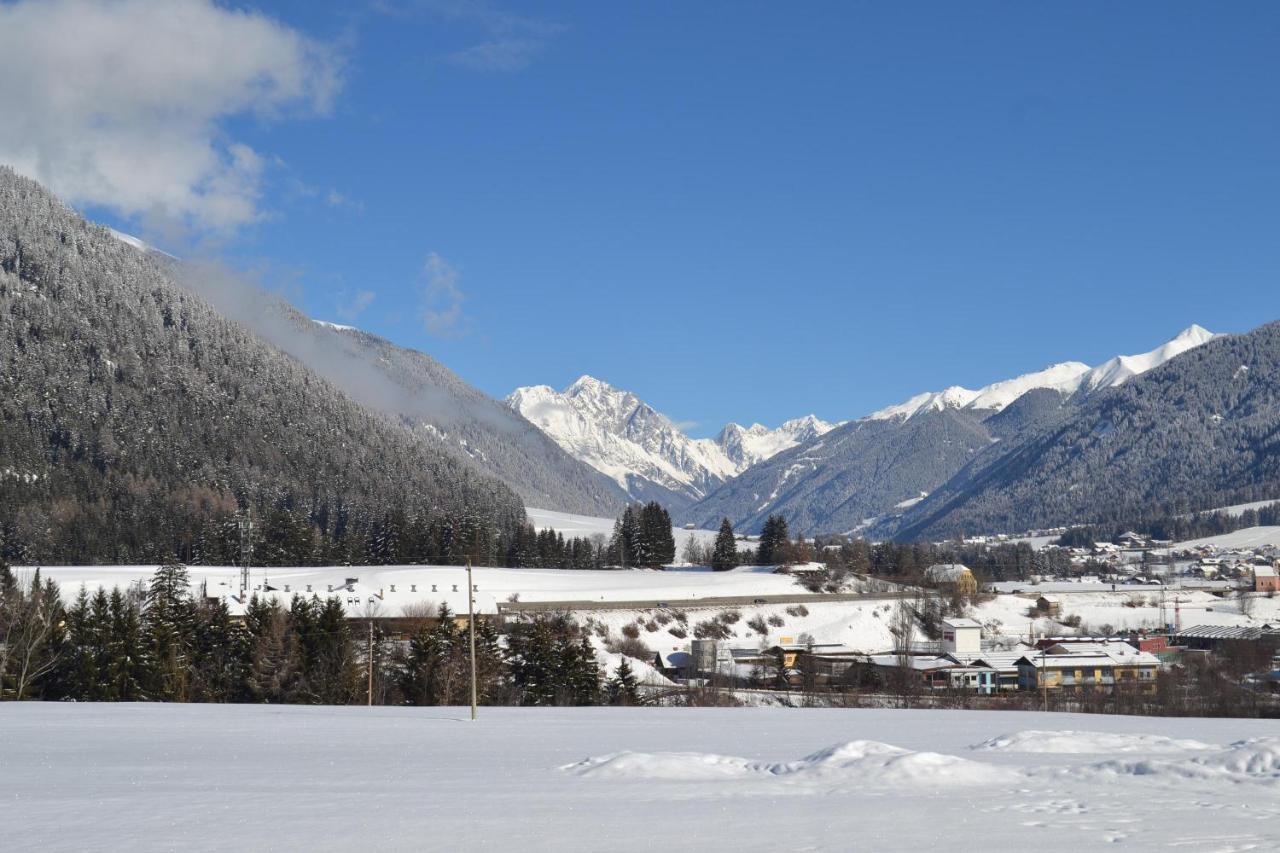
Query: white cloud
{"type": "Point", "coordinates": [120, 103]}
{"type": "Point", "coordinates": [442, 298]}
{"type": "Point", "coordinates": [510, 41]}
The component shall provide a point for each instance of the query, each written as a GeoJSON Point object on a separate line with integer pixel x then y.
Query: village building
{"type": "Point", "coordinates": [1266, 579]}
{"type": "Point", "coordinates": [961, 636]}
{"type": "Point", "coordinates": [954, 577]}
{"type": "Point", "coordinates": [1212, 638]}
{"type": "Point", "coordinates": [1070, 665]}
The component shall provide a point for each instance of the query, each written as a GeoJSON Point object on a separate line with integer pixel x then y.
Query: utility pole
{"type": "Point", "coordinates": [1044, 679]}
{"type": "Point", "coordinates": [370, 662]}
{"type": "Point", "coordinates": [246, 552]}
{"type": "Point", "coordinates": [471, 631]}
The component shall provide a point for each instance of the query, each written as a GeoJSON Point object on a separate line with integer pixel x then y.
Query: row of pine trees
{"type": "Point", "coordinates": [161, 642]}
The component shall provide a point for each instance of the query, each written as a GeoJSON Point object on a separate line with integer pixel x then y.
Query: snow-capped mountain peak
{"type": "Point", "coordinates": [1122, 368]}
{"type": "Point", "coordinates": [748, 445]}
{"type": "Point", "coordinates": [625, 438]}
{"type": "Point", "coordinates": [1066, 378]}
{"type": "Point", "coordinates": [620, 435]}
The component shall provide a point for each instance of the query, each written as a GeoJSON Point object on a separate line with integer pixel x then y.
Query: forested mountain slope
{"type": "Point", "coordinates": [866, 473]}
{"type": "Point", "coordinates": [422, 393]}
{"type": "Point", "coordinates": [837, 482]}
{"type": "Point", "coordinates": [1200, 431]}
{"type": "Point", "coordinates": [134, 419]}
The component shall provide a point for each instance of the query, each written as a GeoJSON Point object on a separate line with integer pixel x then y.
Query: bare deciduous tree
{"type": "Point", "coordinates": [30, 619]}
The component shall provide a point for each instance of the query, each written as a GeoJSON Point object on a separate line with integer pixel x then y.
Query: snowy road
{"type": "Point", "coordinates": [193, 778]}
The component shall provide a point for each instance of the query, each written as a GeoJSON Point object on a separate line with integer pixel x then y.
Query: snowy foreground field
{"type": "Point", "coordinates": [188, 777]}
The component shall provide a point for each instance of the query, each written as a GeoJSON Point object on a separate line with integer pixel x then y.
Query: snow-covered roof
{"type": "Point", "coordinates": [1224, 632]}
{"type": "Point", "coordinates": [1006, 662]}
{"type": "Point", "coordinates": [915, 662]}
{"type": "Point", "coordinates": [947, 572]}
{"type": "Point", "coordinates": [962, 623]}
{"type": "Point", "coordinates": [1095, 654]}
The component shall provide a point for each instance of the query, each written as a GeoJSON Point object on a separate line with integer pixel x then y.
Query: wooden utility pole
{"type": "Point", "coordinates": [1044, 678]}
{"type": "Point", "coordinates": [371, 663]}
{"type": "Point", "coordinates": [471, 631]}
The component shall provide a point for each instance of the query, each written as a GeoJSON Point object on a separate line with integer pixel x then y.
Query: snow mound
{"type": "Point", "coordinates": [859, 760]}
{"type": "Point", "coordinates": [869, 760]}
{"type": "Point", "coordinates": [1069, 742]}
{"type": "Point", "coordinates": [667, 766]}
{"type": "Point", "coordinates": [1254, 760]}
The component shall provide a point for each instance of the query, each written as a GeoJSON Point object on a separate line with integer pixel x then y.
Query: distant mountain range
{"type": "Point", "coordinates": [875, 474]}
{"type": "Point", "coordinates": [639, 448]}
{"type": "Point", "coordinates": [860, 475]}
{"type": "Point", "coordinates": [1192, 432]}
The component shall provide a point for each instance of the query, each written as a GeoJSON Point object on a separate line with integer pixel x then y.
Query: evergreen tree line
{"type": "Point", "coordinates": [774, 548]}
{"type": "Point", "coordinates": [642, 537]}
{"type": "Point", "coordinates": [159, 642]}
{"type": "Point", "coordinates": [908, 561]}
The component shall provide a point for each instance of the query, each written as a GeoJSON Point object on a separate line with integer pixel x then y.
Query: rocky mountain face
{"type": "Point", "coordinates": [865, 473]}
{"type": "Point", "coordinates": [639, 448]}
{"type": "Point", "coordinates": [745, 446]}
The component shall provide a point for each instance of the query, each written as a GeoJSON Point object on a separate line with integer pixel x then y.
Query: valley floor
{"type": "Point", "coordinates": [168, 777]}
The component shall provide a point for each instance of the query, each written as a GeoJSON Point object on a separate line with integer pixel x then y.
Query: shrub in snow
{"type": "Point", "coordinates": [797, 610]}
{"type": "Point", "coordinates": [630, 631]}
{"type": "Point", "coordinates": [757, 624]}
{"type": "Point", "coordinates": [728, 617]}
{"type": "Point", "coordinates": [777, 621]}
{"type": "Point", "coordinates": [678, 632]}
{"type": "Point", "coordinates": [633, 648]}
{"type": "Point", "coordinates": [711, 630]}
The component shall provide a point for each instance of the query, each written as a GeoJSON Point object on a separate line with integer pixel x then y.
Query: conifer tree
{"type": "Point", "coordinates": [131, 662]}
{"type": "Point", "coordinates": [774, 539]}
{"type": "Point", "coordinates": [724, 555]}
{"type": "Point", "coordinates": [275, 664]}
{"type": "Point", "coordinates": [330, 668]}
{"type": "Point", "coordinates": [623, 689]}
{"type": "Point", "coordinates": [168, 621]}
{"type": "Point", "coordinates": [219, 660]}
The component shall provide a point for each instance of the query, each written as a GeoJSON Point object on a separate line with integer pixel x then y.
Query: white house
{"type": "Point", "coordinates": [961, 637]}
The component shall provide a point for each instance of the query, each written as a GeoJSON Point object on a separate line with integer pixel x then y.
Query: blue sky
{"type": "Point", "coordinates": [751, 211]}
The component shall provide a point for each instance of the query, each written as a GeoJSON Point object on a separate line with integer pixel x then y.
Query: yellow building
{"type": "Point", "coordinates": [1088, 665]}
{"type": "Point", "coordinates": [954, 577]}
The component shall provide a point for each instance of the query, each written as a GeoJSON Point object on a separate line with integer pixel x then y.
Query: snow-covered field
{"type": "Point", "coordinates": [1248, 537]}
{"type": "Point", "coordinates": [1240, 509]}
{"type": "Point", "coordinates": [862, 625]}
{"type": "Point", "coordinates": [388, 589]}
{"type": "Point", "coordinates": [1125, 610]}
{"type": "Point", "coordinates": [194, 778]}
